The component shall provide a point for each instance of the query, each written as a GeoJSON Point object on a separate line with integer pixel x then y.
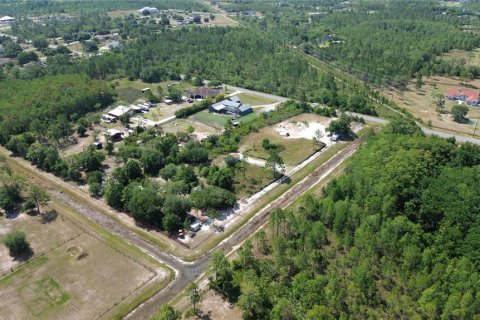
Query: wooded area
{"type": "Point", "coordinates": [396, 236]}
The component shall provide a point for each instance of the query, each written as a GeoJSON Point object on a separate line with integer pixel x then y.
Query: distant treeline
{"type": "Point", "coordinates": [15, 7]}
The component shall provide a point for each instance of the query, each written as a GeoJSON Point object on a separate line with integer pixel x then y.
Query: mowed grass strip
{"type": "Point", "coordinates": [254, 100]}
{"type": "Point", "coordinates": [211, 119]}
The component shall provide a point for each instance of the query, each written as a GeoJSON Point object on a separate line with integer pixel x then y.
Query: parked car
{"type": "Point", "coordinates": [195, 227]}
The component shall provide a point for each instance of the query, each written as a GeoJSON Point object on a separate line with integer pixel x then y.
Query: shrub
{"type": "Point", "coordinates": [16, 243]}
{"type": "Point", "coordinates": [188, 111]}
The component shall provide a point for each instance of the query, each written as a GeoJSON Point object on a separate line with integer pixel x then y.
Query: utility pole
{"type": "Point", "coordinates": [476, 123]}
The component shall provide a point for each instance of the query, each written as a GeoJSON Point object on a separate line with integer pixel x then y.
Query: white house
{"type": "Point", "coordinates": [6, 20]}
{"type": "Point", "coordinates": [148, 9]}
{"type": "Point", "coordinates": [120, 111]}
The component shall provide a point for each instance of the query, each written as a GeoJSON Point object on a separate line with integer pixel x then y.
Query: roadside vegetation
{"type": "Point", "coordinates": [378, 233]}
{"type": "Point", "coordinates": [394, 236]}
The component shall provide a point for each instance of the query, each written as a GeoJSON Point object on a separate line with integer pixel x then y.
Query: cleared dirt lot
{"type": "Point", "coordinates": [59, 286]}
{"type": "Point", "coordinates": [296, 147]}
{"type": "Point", "coordinates": [420, 103]}
{"type": "Point", "coordinates": [214, 307]}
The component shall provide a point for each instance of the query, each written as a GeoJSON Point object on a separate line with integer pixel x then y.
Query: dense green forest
{"type": "Point", "coordinates": [395, 42]}
{"type": "Point", "coordinates": [268, 6]}
{"type": "Point", "coordinates": [86, 26]}
{"type": "Point", "coordinates": [236, 56]}
{"type": "Point", "coordinates": [381, 42]}
{"type": "Point", "coordinates": [15, 7]}
{"type": "Point", "coordinates": [46, 106]}
{"type": "Point", "coordinates": [396, 236]}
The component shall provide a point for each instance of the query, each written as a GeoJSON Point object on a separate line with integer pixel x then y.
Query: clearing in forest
{"type": "Point", "coordinates": [420, 103]}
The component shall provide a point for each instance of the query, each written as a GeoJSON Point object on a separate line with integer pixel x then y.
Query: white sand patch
{"type": "Point", "coordinates": [299, 130]}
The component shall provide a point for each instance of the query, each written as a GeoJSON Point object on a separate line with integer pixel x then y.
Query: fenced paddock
{"type": "Point", "coordinates": [57, 285]}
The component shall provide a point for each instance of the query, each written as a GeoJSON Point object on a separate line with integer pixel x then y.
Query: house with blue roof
{"type": "Point", "coordinates": [231, 106]}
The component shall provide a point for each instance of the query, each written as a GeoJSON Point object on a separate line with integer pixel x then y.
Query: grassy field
{"type": "Point", "coordinates": [249, 117]}
{"type": "Point", "coordinates": [254, 100]}
{"type": "Point", "coordinates": [46, 235]}
{"type": "Point", "coordinates": [472, 58]}
{"type": "Point", "coordinates": [57, 285]}
{"type": "Point", "coordinates": [293, 151]}
{"type": "Point", "coordinates": [54, 284]}
{"type": "Point", "coordinates": [252, 180]}
{"type": "Point", "coordinates": [219, 120]}
{"type": "Point", "coordinates": [212, 119]}
{"type": "Point", "coordinates": [131, 91]}
{"type": "Point", "coordinates": [420, 104]}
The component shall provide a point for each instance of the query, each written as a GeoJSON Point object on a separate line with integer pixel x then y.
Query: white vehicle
{"type": "Point", "coordinates": [195, 227]}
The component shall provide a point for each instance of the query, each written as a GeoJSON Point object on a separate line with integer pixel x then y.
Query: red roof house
{"type": "Point", "coordinates": [472, 97]}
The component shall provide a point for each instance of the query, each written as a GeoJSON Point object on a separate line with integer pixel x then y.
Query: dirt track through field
{"type": "Point", "coordinates": [185, 272]}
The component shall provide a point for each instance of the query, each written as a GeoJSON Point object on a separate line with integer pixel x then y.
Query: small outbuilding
{"type": "Point", "coordinates": [97, 145]}
{"type": "Point", "coordinates": [114, 134]}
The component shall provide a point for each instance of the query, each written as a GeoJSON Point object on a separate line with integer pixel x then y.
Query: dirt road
{"type": "Point", "coordinates": [185, 272]}
{"type": "Point", "coordinates": [194, 270]}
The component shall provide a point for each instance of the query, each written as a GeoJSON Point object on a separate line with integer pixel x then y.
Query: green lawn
{"type": "Point", "coordinates": [219, 120]}
{"type": "Point", "coordinates": [211, 119]}
{"type": "Point", "coordinates": [293, 151]}
{"type": "Point", "coordinates": [253, 100]}
{"type": "Point", "coordinates": [249, 117]}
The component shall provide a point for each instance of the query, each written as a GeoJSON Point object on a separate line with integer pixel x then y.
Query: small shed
{"type": "Point", "coordinates": [114, 134]}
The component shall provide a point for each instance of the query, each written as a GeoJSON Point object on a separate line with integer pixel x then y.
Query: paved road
{"type": "Point", "coordinates": [428, 131]}
{"type": "Point", "coordinates": [192, 271]}
{"type": "Point", "coordinates": [257, 93]}
{"type": "Point", "coordinates": [185, 272]}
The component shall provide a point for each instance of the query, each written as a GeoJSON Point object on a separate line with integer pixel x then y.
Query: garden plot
{"type": "Point", "coordinates": [81, 279]}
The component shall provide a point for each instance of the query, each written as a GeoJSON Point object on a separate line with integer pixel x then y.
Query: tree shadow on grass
{"type": "Point", "coordinates": [207, 316]}
{"type": "Point", "coordinates": [464, 121]}
{"type": "Point", "coordinates": [285, 180]}
{"type": "Point", "coordinates": [49, 216]}
{"type": "Point", "coordinates": [24, 256]}
{"type": "Point", "coordinates": [12, 214]}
